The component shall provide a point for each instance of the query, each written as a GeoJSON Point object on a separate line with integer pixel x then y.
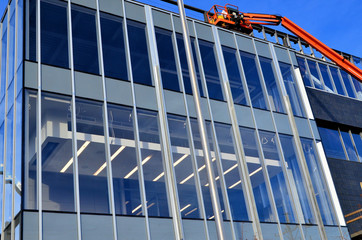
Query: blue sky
{"type": "Point", "coordinates": [337, 23]}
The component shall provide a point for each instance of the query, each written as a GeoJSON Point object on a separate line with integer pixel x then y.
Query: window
{"type": "Point", "coordinates": [271, 84]}
{"type": "Point", "coordinates": [84, 40]}
{"type": "Point", "coordinates": [314, 74]}
{"type": "Point", "coordinates": [114, 56]}
{"type": "Point", "coordinates": [139, 53]}
{"type": "Point", "coordinates": [4, 44]}
{"type": "Point", "coordinates": [253, 80]}
{"type": "Point", "coordinates": [358, 143]}
{"type": "Point", "coordinates": [31, 9]}
{"type": "Point", "coordinates": [327, 80]}
{"type": "Point", "coordinates": [236, 84]}
{"type": "Point", "coordinates": [347, 83]}
{"type": "Point", "coordinates": [350, 150]}
{"type": "Point", "coordinates": [332, 144]}
{"type": "Point", "coordinates": [337, 80]}
{"type": "Point", "coordinates": [166, 57]}
{"type": "Point", "coordinates": [9, 166]}
{"type": "Point", "coordinates": [304, 72]}
{"type": "Point", "coordinates": [358, 86]}
{"type": "Point", "coordinates": [211, 70]}
{"type": "Point", "coordinates": [11, 58]}
{"type": "Point", "coordinates": [54, 33]}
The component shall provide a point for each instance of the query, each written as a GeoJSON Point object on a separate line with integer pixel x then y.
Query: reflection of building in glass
{"type": "Point", "coordinates": [100, 140]}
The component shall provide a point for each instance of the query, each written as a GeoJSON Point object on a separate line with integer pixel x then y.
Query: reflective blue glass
{"type": "Point", "coordinates": [319, 185]}
{"type": "Point", "coordinates": [4, 44]}
{"type": "Point", "coordinates": [1, 166]}
{"type": "Point", "coordinates": [358, 143]}
{"type": "Point", "coordinates": [314, 74]}
{"type": "Point", "coordinates": [30, 22]}
{"type": "Point", "coordinates": [253, 80]}
{"type": "Point", "coordinates": [296, 180]}
{"type": "Point", "coordinates": [20, 34]}
{"type": "Point", "coordinates": [114, 55]}
{"type": "Point", "coordinates": [11, 60]}
{"type": "Point", "coordinates": [304, 71]}
{"type": "Point", "coordinates": [54, 33]}
{"type": "Point", "coordinates": [332, 144]}
{"type": "Point", "coordinates": [166, 57]}
{"type": "Point", "coordinates": [327, 80]}
{"type": "Point", "coordinates": [236, 84]}
{"type": "Point", "coordinates": [85, 49]}
{"type": "Point", "coordinates": [347, 84]}
{"type": "Point", "coordinates": [10, 96]}
{"type": "Point", "coordinates": [9, 165]}
{"type": "Point", "coordinates": [350, 150]}
{"type": "Point", "coordinates": [139, 53]}
{"type": "Point", "coordinates": [291, 88]}
{"type": "Point", "coordinates": [18, 151]}
{"type": "Point", "coordinates": [275, 100]}
{"type": "Point", "coordinates": [358, 86]}
{"type": "Point", "coordinates": [211, 70]}
{"type": "Point", "coordinates": [337, 80]}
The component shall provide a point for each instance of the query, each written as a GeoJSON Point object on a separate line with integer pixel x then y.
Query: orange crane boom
{"type": "Point", "coordinates": [230, 17]}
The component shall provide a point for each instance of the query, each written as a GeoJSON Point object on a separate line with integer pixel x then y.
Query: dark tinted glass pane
{"type": "Point", "coordinates": [358, 86]}
{"type": "Point", "coordinates": [331, 143]}
{"type": "Point", "coordinates": [271, 84]}
{"type": "Point", "coordinates": [351, 151]}
{"type": "Point", "coordinates": [327, 80]}
{"type": "Point", "coordinates": [347, 84]}
{"type": "Point", "coordinates": [304, 71]}
{"type": "Point", "coordinates": [183, 61]}
{"type": "Point", "coordinates": [337, 80]}
{"type": "Point", "coordinates": [54, 36]}
{"type": "Point", "coordinates": [358, 143]}
{"type": "Point", "coordinates": [236, 85]}
{"type": "Point", "coordinates": [114, 56]}
{"type": "Point", "coordinates": [139, 53]}
{"type": "Point", "coordinates": [211, 70]}
{"type": "Point", "coordinates": [166, 57]}
{"type": "Point", "coordinates": [253, 80]}
{"type": "Point", "coordinates": [314, 73]}
{"type": "Point", "coordinates": [31, 24]}
{"type": "Point", "coordinates": [85, 40]}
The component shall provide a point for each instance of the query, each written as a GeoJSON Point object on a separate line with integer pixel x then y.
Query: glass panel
{"type": "Point", "coordinates": [236, 84]}
{"type": "Point", "coordinates": [270, 231]}
{"type": "Point", "coordinates": [18, 153]}
{"type": "Point", "coordinates": [347, 84]}
{"type": "Point", "coordinates": [9, 166]}
{"type": "Point", "coordinates": [57, 185]}
{"type": "Point", "coordinates": [351, 151]}
{"type": "Point", "coordinates": [20, 35]}
{"type": "Point", "coordinates": [84, 40]}
{"type": "Point", "coordinates": [253, 80]}
{"type": "Point", "coordinates": [30, 29]}
{"type": "Point", "coordinates": [276, 177]}
{"type": "Point", "coordinates": [358, 142]}
{"type": "Point", "coordinates": [2, 139]}
{"type": "Point", "coordinates": [337, 80]}
{"type": "Point", "coordinates": [167, 59]}
{"type": "Point", "coordinates": [93, 188]}
{"type": "Point", "coordinates": [291, 232]}
{"type": "Point", "coordinates": [314, 74]}
{"type": "Point", "coordinates": [183, 167]}
{"type": "Point", "coordinates": [54, 33]}
{"type": "Point", "coordinates": [152, 164]}
{"type": "Point", "coordinates": [296, 180]}
{"type": "Point", "coordinates": [332, 144]}
{"type": "Point", "coordinates": [292, 89]}
{"type": "Point", "coordinates": [271, 84]}
{"type": "Point", "coordinates": [11, 59]}
{"type": "Point", "coordinates": [256, 175]}
{"type": "Point", "coordinates": [358, 86]}
{"type": "Point", "coordinates": [114, 56]}
{"type": "Point", "coordinates": [320, 189]}
{"type": "Point", "coordinates": [231, 172]}
{"type": "Point", "coordinates": [4, 44]}
{"type": "Point", "coordinates": [30, 153]}
{"type": "Point", "coordinates": [327, 80]}
{"type": "Point", "coordinates": [139, 53]}
{"type": "Point", "coordinates": [211, 70]}
{"type": "Point", "coordinates": [304, 72]}
{"type": "Point", "coordinates": [123, 157]}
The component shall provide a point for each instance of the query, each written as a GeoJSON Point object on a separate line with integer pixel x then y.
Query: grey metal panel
{"type": "Point", "coordinates": [332, 233]}
{"type": "Point", "coordinates": [291, 232]}
{"type": "Point", "coordinates": [88, 86]}
{"type": "Point", "coordinates": [282, 123]}
{"type": "Point", "coordinates": [86, 3]}
{"type": "Point", "coordinates": [192, 109]}
{"type": "Point", "coordinates": [95, 227]}
{"type": "Point", "coordinates": [220, 111]}
{"type": "Point", "coordinates": [303, 127]}
{"type": "Point", "coordinates": [212, 230]}
{"type": "Point", "coordinates": [118, 91]}
{"type": "Point", "coordinates": [174, 102]}
{"type": "Point", "coordinates": [345, 233]}
{"type": "Point", "coordinates": [161, 19]}
{"type": "Point", "coordinates": [145, 97]}
{"type": "Point", "coordinates": [204, 32]}
{"type": "Point", "coordinates": [226, 38]}
{"type": "Point", "coordinates": [193, 229]}
{"type": "Point", "coordinates": [161, 228]}
{"type": "Point", "coordinates": [245, 44]}
{"type": "Point", "coordinates": [282, 54]}
{"type": "Point", "coordinates": [178, 27]}
{"type": "Point", "coordinates": [56, 79]}
{"type": "Point", "coordinates": [270, 231]}
{"type": "Point", "coordinates": [264, 120]}
{"type": "Point", "coordinates": [59, 226]}
{"type": "Point", "coordinates": [30, 225]}
{"type": "Point", "coordinates": [315, 130]}
{"type": "Point", "coordinates": [135, 12]}
{"type": "Point", "coordinates": [243, 114]}
{"type": "Point", "coordinates": [311, 232]}
{"type": "Point", "coordinates": [31, 75]}
{"type": "Point", "coordinates": [244, 230]}
{"type": "Point", "coordinates": [227, 231]}
{"type": "Point", "coordinates": [133, 226]}
{"type": "Point", "coordinates": [263, 49]}
{"type": "Point", "coordinates": [294, 58]}
{"type": "Point", "coordinates": [111, 6]}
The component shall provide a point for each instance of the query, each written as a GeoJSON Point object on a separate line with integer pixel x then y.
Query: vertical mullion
{"type": "Point", "coordinates": [320, 75]}
{"type": "Point", "coordinates": [332, 80]}
{"type": "Point", "coordinates": [343, 146]}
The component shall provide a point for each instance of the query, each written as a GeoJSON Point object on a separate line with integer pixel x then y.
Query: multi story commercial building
{"type": "Point", "coordinates": [100, 137]}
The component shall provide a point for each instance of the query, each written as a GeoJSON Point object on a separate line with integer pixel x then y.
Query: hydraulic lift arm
{"type": "Point", "coordinates": [228, 16]}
